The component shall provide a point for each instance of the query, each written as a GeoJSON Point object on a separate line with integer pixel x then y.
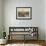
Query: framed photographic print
{"type": "Point", "coordinates": [23, 13]}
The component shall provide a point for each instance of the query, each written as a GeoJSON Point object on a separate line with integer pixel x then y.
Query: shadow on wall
{"type": "Point", "coordinates": [1, 34]}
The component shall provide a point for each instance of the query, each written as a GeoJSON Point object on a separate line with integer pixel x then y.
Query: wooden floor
{"type": "Point", "coordinates": [40, 42]}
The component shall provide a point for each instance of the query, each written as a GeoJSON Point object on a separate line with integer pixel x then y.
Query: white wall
{"type": "Point", "coordinates": [45, 19]}
{"type": "Point", "coordinates": [0, 11]}
{"type": "Point", "coordinates": [38, 15]}
{"type": "Point", "coordinates": [0, 18]}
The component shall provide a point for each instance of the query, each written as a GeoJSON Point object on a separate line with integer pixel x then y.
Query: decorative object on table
{"type": "Point", "coordinates": [31, 31]}
{"type": "Point", "coordinates": [4, 35]}
{"type": "Point", "coordinates": [24, 13]}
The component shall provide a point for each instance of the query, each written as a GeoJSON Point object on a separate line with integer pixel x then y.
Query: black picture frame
{"type": "Point", "coordinates": [24, 13]}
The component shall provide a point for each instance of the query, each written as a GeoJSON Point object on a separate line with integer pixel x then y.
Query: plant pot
{"type": "Point", "coordinates": [3, 41]}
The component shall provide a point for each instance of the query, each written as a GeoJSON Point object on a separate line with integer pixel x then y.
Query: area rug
{"type": "Point", "coordinates": [23, 45]}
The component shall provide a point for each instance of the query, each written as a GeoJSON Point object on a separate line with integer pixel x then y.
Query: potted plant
{"type": "Point", "coordinates": [2, 37]}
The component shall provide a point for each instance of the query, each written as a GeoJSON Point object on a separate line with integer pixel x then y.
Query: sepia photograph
{"type": "Point", "coordinates": [23, 13]}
